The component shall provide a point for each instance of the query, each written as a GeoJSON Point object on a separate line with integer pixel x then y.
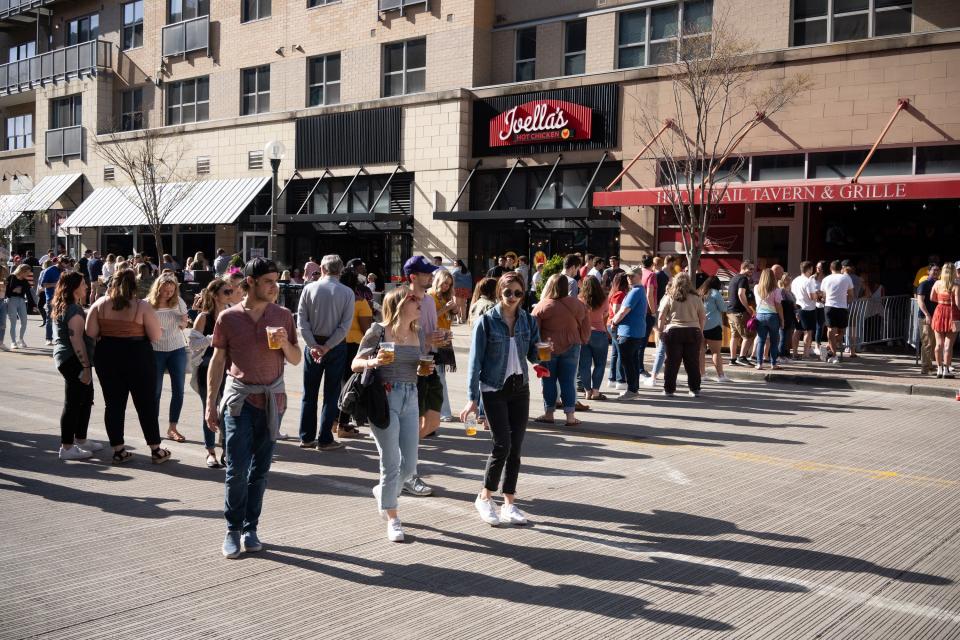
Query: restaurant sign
{"type": "Point", "coordinates": [541, 121]}
{"type": "Point", "coordinates": [837, 191]}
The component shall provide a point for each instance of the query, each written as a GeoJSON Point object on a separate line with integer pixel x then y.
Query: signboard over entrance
{"type": "Point", "coordinates": [541, 121]}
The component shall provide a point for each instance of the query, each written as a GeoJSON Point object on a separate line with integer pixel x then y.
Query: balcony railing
{"type": "Point", "coordinates": [61, 64]}
{"type": "Point", "coordinates": [181, 38]}
{"type": "Point", "coordinates": [400, 5]}
{"type": "Point", "coordinates": [64, 143]}
{"type": "Point", "coordinates": [13, 7]}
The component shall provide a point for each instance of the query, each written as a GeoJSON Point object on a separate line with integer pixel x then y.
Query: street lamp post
{"type": "Point", "coordinates": [275, 152]}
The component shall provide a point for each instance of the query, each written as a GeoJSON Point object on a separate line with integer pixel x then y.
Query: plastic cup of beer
{"type": "Point", "coordinates": [544, 352]}
{"type": "Point", "coordinates": [470, 425]}
{"type": "Point", "coordinates": [423, 365]}
{"type": "Point", "coordinates": [388, 352]}
{"type": "Point", "coordinates": [274, 339]}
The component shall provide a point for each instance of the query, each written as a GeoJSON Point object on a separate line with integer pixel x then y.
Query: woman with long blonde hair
{"type": "Point", "coordinates": [442, 293]}
{"type": "Point", "coordinates": [769, 299]}
{"type": "Point", "coordinates": [170, 350]}
{"type": "Point", "coordinates": [681, 320]}
{"type": "Point", "coordinates": [398, 442]}
{"type": "Point", "coordinates": [946, 293]}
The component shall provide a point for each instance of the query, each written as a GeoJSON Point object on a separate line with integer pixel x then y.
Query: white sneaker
{"type": "Point", "coordinates": [650, 382]}
{"type": "Point", "coordinates": [621, 386]}
{"type": "Point", "coordinates": [49, 343]}
{"type": "Point", "coordinates": [693, 394]}
{"type": "Point", "coordinates": [394, 530]}
{"type": "Point", "coordinates": [628, 395]}
{"type": "Point", "coordinates": [723, 378]}
{"type": "Point", "coordinates": [283, 436]}
{"type": "Point", "coordinates": [14, 346]}
{"type": "Point", "coordinates": [510, 514]}
{"type": "Point", "coordinates": [376, 494]}
{"type": "Point", "coordinates": [487, 510]}
{"type": "Point", "coordinates": [4, 347]}
{"type": "Point", "coordinates": [833, 360]}
{"type": "Point", "coordinates": [74, 453]}
{"type": "Point", "coordinates": [89, 445]}
{"type": "Point", "coordinates": [23, 345]}
{"type": "Point", "coordinates": [611, 384]}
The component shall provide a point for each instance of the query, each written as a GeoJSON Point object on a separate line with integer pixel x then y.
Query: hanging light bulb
{"type": "Point", "coordinates": [924, 206]}
{"type": "Point", "coordinates": [888, 206]}
{"type": "Point", "coordinates": [854, 206]}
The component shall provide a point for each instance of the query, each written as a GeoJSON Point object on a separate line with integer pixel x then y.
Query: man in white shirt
{"type": "Point", "coordinates": [837, 291]}
{"type": "Point", "coordinates": [804, 289]}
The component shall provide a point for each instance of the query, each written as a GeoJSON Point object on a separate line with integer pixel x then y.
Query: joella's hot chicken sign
{"type": "Point", "coordinates": [541, 121]}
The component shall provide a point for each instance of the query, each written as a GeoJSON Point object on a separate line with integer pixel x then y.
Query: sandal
{"type": "Point", "coordinates": [159, 455]}
{"type": "Point", "coordinates": [572, 424]}
{"type": "Point", "coordinates": [348, 432]}
{"type": "Point", "coordinates": [212, 462]}
{"type": "Point", "coordinates": [175, 436]}
{"type": "Point", "coordinates": [119, 457]}
{"type": "Point", "coordinates": [599, 396]}
{"type": "Point", "coordinates": [544, 420]}
{"type": "Point", "coordinates": [582, 407]}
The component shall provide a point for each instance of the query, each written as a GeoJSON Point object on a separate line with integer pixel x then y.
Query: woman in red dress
{"type": "Point", "coordinates": [946, 293]}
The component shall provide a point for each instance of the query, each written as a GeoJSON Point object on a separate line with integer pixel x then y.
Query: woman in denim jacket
{"type": "Point", "coordinates": [501, 338]}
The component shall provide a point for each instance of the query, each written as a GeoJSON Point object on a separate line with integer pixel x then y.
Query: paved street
{"type": "Point", "coordinates": [752, 512]}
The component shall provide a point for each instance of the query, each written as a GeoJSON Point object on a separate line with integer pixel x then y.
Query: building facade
{"type": "Point", "coordinates": [454, 127]}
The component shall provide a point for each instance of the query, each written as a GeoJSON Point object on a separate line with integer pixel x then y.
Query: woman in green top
{"type": "Point", "coordinates": [73, 355]}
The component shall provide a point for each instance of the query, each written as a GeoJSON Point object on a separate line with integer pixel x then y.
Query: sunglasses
{"type": "Point", "coordinates": [512, 293]}
{"type": "Point", "coordinates": [226, 292]}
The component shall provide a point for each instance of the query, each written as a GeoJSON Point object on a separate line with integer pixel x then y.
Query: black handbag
{"type": "Point", "coordinates": [364, 396]}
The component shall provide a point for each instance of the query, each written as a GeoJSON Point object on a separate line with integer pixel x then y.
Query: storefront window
{"type": "Point", "coordinates": [945, 159]}
{"type": "Point", "coordinates": [844, 164]}
{"type": "Point", "coordinates": [780, 167]}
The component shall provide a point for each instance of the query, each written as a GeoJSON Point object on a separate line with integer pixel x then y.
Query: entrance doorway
{"type": "Point", "coordinates": [488, 240]}
{"type": "Point", "coordinates": [777, 237]}
{"type": "Point", "coordinates": [255, 244]}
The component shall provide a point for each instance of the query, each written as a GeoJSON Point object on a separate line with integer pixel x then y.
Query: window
{"type": "Point", "coordinates": [255, 10]}
{"type": "Point", "coordinates": [181, 10]}
{"type": "Point", "coordinates": [650, 36]}
{"type": "Point", "coordinates": [22, 51]}
{"type": "Point", "coordinates": [844, 164]}
{"type": "Point", "coordinates": [320, 3]}
{"type": "Point", "coordinates": [83, 29]}
{"type": "Point", "coordinates": [20, 131]}
{"type": "Point", "coordinates": [944, 159]}
{"type": "Point", "coordinates": [66, 112]}
{"type": "Point", "coordinates": [820, 21]}
{"type": "Point", "coordinates": [323, 77]}
{"type": "Point", "coordinates": [526, 55]}
{"type": "Point", "coordinates": [131, 110]}
{"type": "Point", "coordinates": [404, 67]}
{"type": "Point", "coordinates": [132, 25]}
{"type": "Point", "coordinates": [779, 167]}
{"type": "Point", "coordinates": [575, 48]}
{"type": "Point", "coordinates": [188, 101]}
{"type": "Point", "coordinates": [255, 85]}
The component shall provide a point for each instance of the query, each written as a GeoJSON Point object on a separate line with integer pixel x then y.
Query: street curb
{"type": "Point", "coordinates": [852, 384]}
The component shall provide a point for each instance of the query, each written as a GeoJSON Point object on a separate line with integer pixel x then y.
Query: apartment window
{"type": "Point", "coordinates": [20, 131]}
{"type": "Point", "coordinates": [526, 55]}
{"type": "Point", "coordinates": [255, 10]}
{"type": "Point", "coordinates": [188, 101]}
{"type": "Point", "coordinates": [132, 25]}
{"type": "Point", "coordinates": [22, 51]}
{"type": "Point", "coordinates": [181, 10]}
{"type": "Point", "coordinates": [83, 29]}
{"type": "Point", "coordinates": [320, 3]}
{"type": "Point", "coordinates": [820, 21]}
{"type": "Point", "coordinates": [404, 67]}
{"type": "Point", "coordinates": [575, 48]}
{"type": "Point", "coordinates": [323, 74]}
{"type": "Point", "coordinates": [131, 110]}
{"type": "Point", "coordinates": [650, 36]}
{"type": "Point", "coordinates": [66, 112]}
{"type": "Point", "coordinates": [255, 85]}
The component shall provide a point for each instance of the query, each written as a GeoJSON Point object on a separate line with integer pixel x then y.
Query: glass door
{"type": "Point", "coordinates": [255, 244]}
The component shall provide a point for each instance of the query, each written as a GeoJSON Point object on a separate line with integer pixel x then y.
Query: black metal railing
{"type": "Point", "coordinates": [13, 7]}
{"type": "Point", "coordinates": [57, 65]}
{"type": "Point", "coordinates": [181, 38]}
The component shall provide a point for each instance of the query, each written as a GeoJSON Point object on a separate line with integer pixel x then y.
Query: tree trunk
{"type": "Point", "coordinates": [158, 241]}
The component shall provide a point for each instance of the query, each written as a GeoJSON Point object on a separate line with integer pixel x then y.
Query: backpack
{"type": "Point", "coordinates": [365, 397]}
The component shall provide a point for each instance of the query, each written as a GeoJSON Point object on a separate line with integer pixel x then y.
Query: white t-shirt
{"type": "Point", "coordinates": [805, 285]}
{"type": "Point", "coordinates": [835, 287]}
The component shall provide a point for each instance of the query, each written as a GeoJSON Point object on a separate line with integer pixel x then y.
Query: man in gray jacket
{"type": "Point", "coordinates": [323, 317]}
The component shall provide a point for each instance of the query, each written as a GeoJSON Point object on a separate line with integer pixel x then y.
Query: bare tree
{"type": "Point", "coordinates": [717, 95]}
{"type": "Point", "coordinates": [152, 164]}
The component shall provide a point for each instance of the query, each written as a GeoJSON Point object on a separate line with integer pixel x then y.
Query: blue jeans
{"type": "Point", "coordinates": [17, 310]}
{"type": "Point", "coordinates": [445, 411]}
{"type": "Point", "coordinates": [249, 453]}
{"type": "Point", "coordinates": [398, 443]}
{"type": "Point", "coordinates": [48, 328]}
{"type": "Point", "coordinates": [330, 371]}
{"type": "Point", "coordinates": [174, 362]}
{"type": "Point", "coordinates": [768, 325]}
{"type": "Point", "coordinates": [659, 358]}
{"type": "Point", "coordinates": [3, 320]}
{"type": "Point", "coordinates": [594, 352]}
{"type": "Point", "coordinates": [563, 370]}
{"type": "Point", "coordinates": [616, 365]}
{"type": "Point", "coordinates": [642, 348]}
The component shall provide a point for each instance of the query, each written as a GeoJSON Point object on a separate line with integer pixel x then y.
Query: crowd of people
{"type": "Point", "coordinates": [127, 321]}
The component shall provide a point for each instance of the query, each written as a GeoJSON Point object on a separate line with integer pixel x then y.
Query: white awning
{"type": "Point", "coordinates": [206, 202]}
{"type": "Point", "coordinates": [49, 190]}
{"type": "Point", "coordinates": [11, 208]}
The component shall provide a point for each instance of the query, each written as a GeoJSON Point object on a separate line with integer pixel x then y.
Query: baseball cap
{"type": "Point", "coordinates": [418, 264]}
{"type": "Point", "coordinates": [259, 267]}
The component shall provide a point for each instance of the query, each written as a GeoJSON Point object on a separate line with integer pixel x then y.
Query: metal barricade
{"type": "Point", "coordinates": [913, 329]}
{"type": "Point", "coordinates": [290, 296]}
{"type": "Point", "coordinates": [878, 320]}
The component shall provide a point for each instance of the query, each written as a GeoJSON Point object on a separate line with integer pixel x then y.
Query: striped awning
{"type": "Point", "coordinates": [205, 202]}
{"type": "Point", "coordinates": [50, 189]}
{"type": "Point", "coordinates": [11, 208]}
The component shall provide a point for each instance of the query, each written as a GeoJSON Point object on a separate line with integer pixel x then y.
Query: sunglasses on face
{"type": "Point", "coordinates": [512, 293]}
{"type": "Point", "coordinates": [226, 292]}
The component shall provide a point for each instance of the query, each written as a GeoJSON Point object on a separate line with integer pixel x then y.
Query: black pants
{"type": "Point", "coordinates": [352, 349]}
{"type": "Point", "coordinates": [77, 402]}
{"type": "Point", "coordinates": [631, 355]}
{"type": "Point", "coordinates": [507, 413]}
{"type": "Point", "coordinates": [682, 344]}
{"type": "Point", "coordinates": [126, 367]}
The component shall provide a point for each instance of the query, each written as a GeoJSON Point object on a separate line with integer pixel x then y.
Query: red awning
{"type": "Point", "coordinates": [867, 189]}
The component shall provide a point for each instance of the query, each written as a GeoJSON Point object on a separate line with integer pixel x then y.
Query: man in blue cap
{"type": "Point", "coordinates": [419, 273]}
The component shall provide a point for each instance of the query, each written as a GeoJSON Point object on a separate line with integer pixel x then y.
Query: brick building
{"type": "Point", "coordinates": [391, 112]}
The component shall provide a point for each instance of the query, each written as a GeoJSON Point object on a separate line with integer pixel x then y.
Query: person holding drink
{"type": "Point", "coordinates": [253, 399]}
{"type": "Point", "coordinates": [394, 348]}
{"type": "Point", "coordinates": [170, 351]}
{"type": "Point", "coordinates": [497, 374]}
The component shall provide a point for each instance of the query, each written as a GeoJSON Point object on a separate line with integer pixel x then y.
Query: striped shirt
{"type": "Point", "coordinates": [172, 338]}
